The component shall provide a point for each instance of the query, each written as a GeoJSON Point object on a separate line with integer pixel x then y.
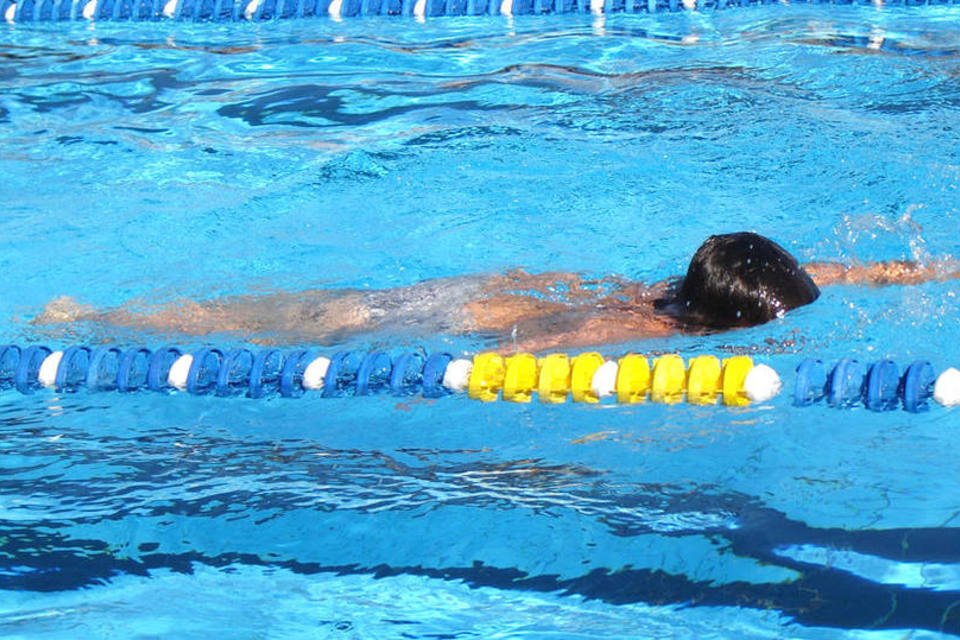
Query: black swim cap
{"type": "Point", "coordinates": [741, 280]}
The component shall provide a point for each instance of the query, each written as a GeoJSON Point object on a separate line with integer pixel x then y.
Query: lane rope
{"type": "Point", "coordinates": [17, 11]}
{"type": "Point", "coordinates": [555, 378]}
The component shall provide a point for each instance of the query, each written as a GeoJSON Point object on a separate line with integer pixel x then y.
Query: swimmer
{"type": "Point", "coordinates": [733, 280]}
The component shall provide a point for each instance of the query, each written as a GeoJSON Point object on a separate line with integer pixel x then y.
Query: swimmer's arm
{"type": "Point", "coordinates": [582, 318]}
{"type": "Point", "coordinates": [889, 272]}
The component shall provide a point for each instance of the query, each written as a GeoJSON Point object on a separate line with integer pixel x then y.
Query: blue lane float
{"type": "Point", "coordinates": [878, 387]}
{"type": "Point", "coordinates": [587, 377]}
{"type": "Point", "coordinates": [17, 11]}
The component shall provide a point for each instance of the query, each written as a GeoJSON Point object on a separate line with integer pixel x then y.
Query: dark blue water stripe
{"type": "Point", "coordinates": [37, 559]}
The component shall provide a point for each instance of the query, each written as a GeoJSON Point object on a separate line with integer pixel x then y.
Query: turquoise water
{"type": "Point", "coordinates": [157, 162]}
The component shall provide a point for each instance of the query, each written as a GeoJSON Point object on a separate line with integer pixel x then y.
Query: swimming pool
{"type": "Point", "coordinates": [154, 162]}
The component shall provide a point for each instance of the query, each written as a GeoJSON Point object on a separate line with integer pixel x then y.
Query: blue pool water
{"type": "Point", "coordinates": [144, 164]}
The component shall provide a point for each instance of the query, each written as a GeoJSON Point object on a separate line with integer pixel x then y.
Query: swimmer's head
{"type": "Point", "coordinates": [741, 280]}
